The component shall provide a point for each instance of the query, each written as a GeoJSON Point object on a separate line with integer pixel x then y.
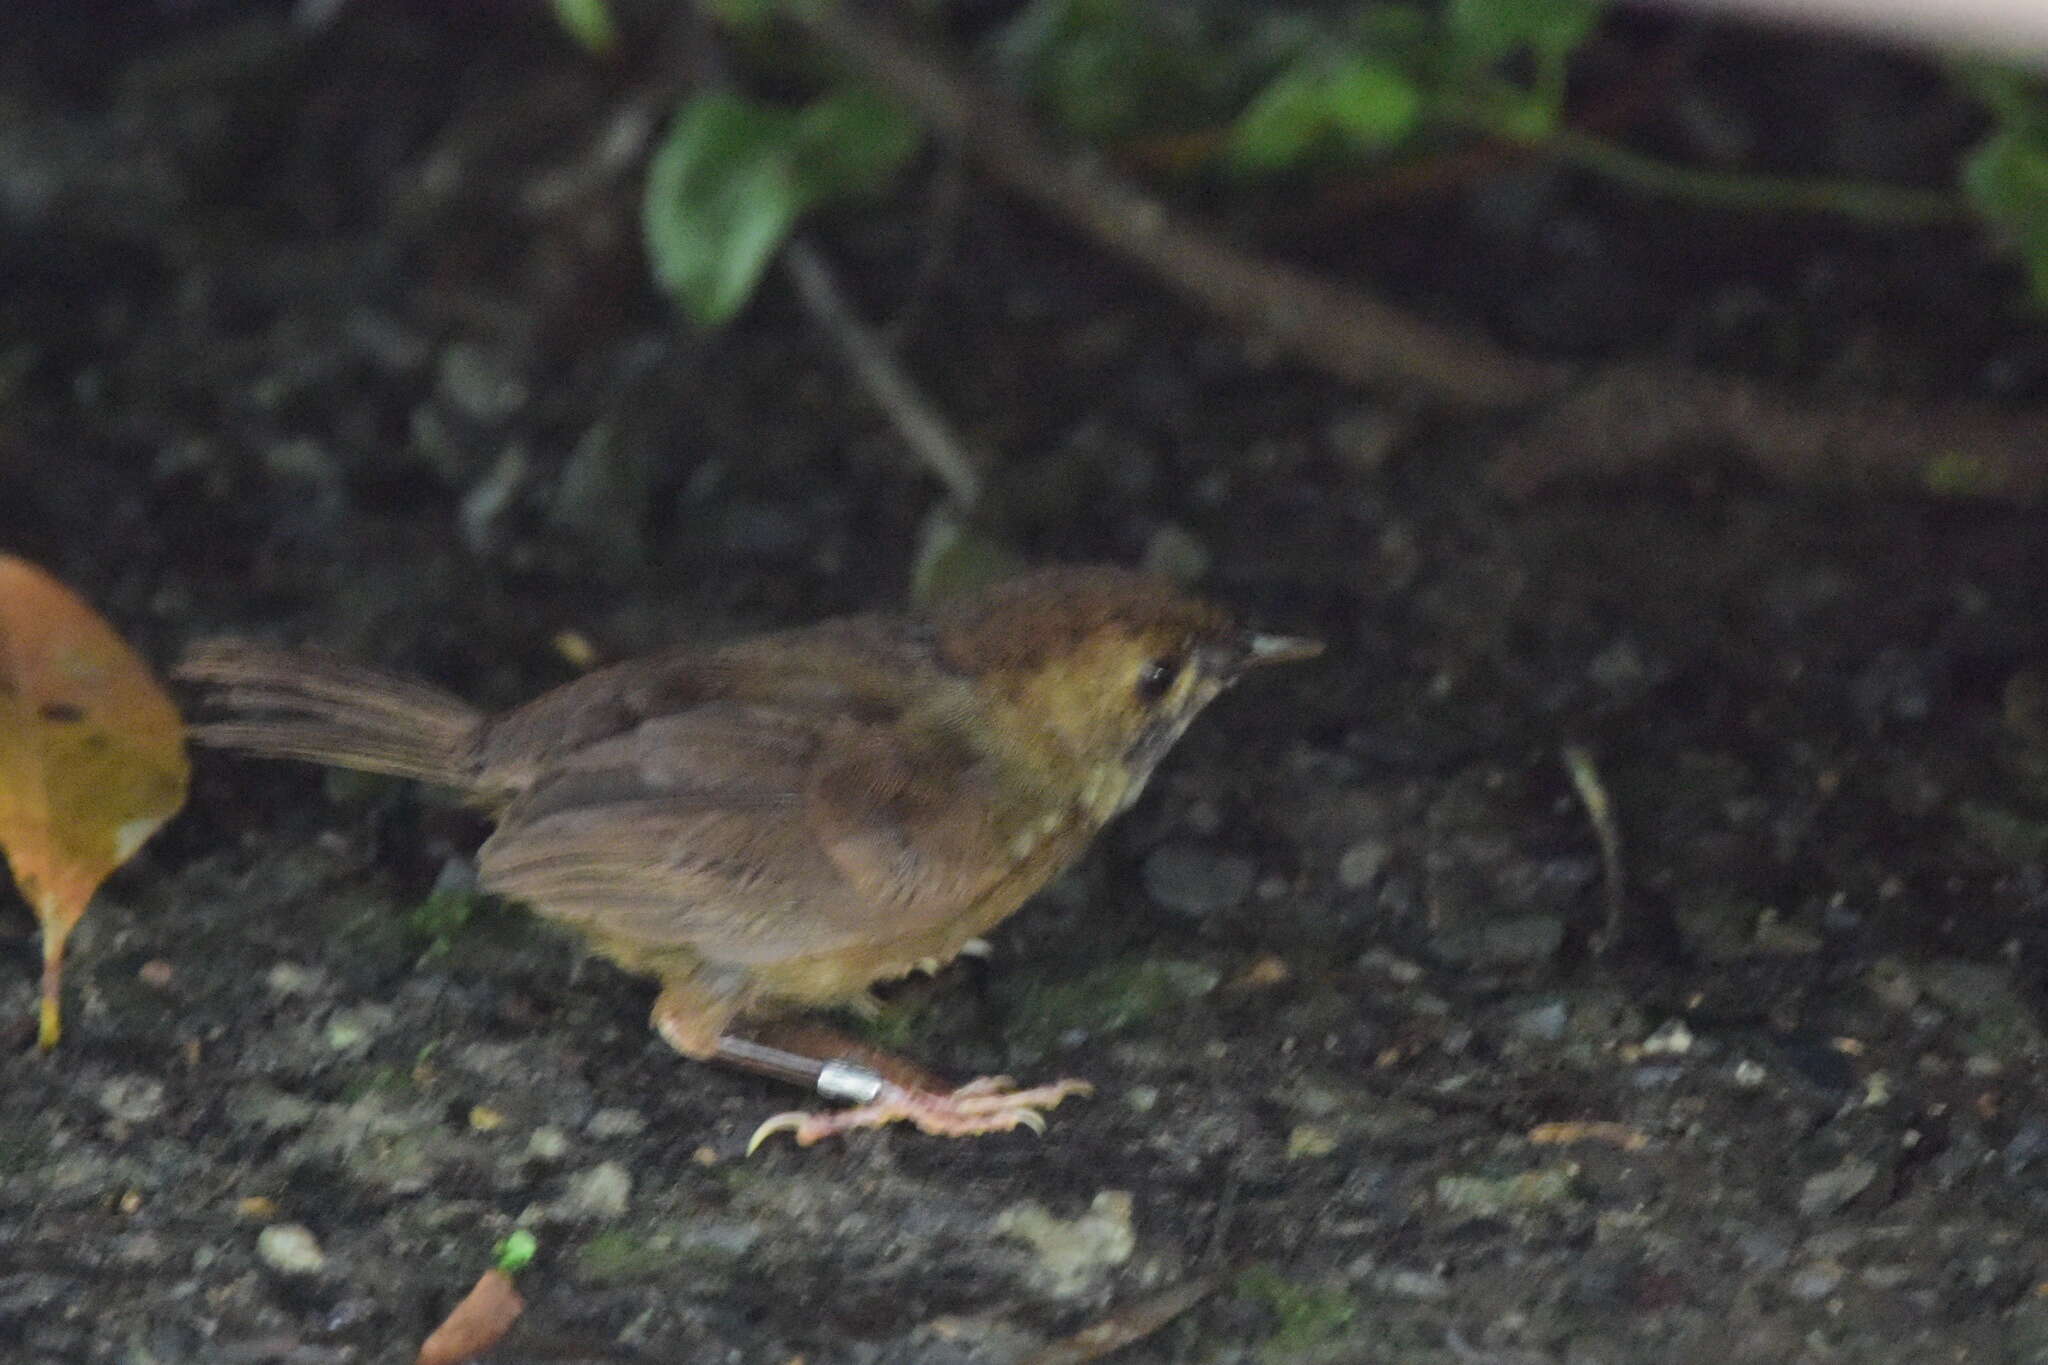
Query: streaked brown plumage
{"type": "Point", "coordinates": [781, 822]}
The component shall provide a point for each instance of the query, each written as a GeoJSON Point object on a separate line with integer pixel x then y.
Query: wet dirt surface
{"type": "Point", "coordinates": [343, 337]}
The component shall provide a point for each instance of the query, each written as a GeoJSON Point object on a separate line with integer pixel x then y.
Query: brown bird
{"type": "Point", "coordinates": [781, 822]}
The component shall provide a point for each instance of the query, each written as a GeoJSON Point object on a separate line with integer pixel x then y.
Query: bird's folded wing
{"type": "Point", "coordinates": [750, 834]}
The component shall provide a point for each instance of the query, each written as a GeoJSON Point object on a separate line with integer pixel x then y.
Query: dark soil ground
{"type": "Point", "coordinates": [341, 335]}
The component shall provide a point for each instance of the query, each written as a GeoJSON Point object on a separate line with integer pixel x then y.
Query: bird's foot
{"type": "Point", "coordinates": [992, 1104]}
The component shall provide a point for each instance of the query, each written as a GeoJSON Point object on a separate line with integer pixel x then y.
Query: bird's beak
{"type": "Point", "coordinates": [1260, 650]}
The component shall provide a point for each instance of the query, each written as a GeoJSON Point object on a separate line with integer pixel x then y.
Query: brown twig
{"type": "Point", "coordinates": [916, 420]}
{"type": "Point", "coordinates": [1347, 333]}
{"type": "Point", "coordinates": [1633, 413]}
{"type": "Point", "coordinates": [1133, 1322]}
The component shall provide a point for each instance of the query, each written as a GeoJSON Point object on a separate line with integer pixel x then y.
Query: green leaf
{"type": "Point", "coordinates": [728, 184]}
{"type": "Point", "coordinates": [1107, 69]}
{"type": "Point", "coordinates": [743, 13]}
{"type": "Point", "coordinates": [1372, 105]}
{"type": "Point", "coordinates": [2016, 98]}
{"type": "Point", "coordinates": [516, 1252]}
{"type": "Point", "coordinates": [590, 23]}
{"type": "Point", "coordinates": [853, 142]}
{"type": "Point", "coordinates": [722, 196]}
{"type": "Point", "coordinates": [1366, 104]}
{"type": "Point", "coordinates": [1278, 129]}
{"type": "Point", "coordinates": [1489, 30]}
{"type": "Point", "coordinates": [2007, 181]}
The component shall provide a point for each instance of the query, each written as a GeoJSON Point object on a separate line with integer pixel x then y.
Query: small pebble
{"type": "Point", "coordinates": [1197, 880]}
{"type": "Point", "coordinates": [351, 1030]}
{"type": "Point", "coordinates": [547, 1144]}
{"type": "Point", "coordinates": [1175, 553]}
{"type": "Point", "coordinates": [1413, 1284]}
{"type": "Point", "coordinates": [1671, 1039]}
{"type": "Point", "coordinates": [603, 1191]}
{"type": "Point", "coordinates": [608, 1123]}
{"type": "Point", "coordinates": [290, 1248]}
{"type": "Point", "coordinates": [1361, 863]}
{"type": "Point", "coordinates": [1814, 1282]}
{"type": "Point", "coordinates": [1074, 1254]}
{"type": "Point", "coordinates": [1486, 1196]}
{"type": "Point", "coordinates": [478, 383]}
{"type": "Point", "coordinates": [1763, 1249]}
{"type": "Point", "coordinates": [289, 978]}
{"type": "Point", "coordinates": [1830, 1190]}
{"type": "Point", "coordinates": [1519, 940]}
{"type": "Point", "coordinates": [1308, 1140]}
{"type": "Point", "coordinates": [2028, 1145]}
{"type": "Point", "coordinates": [133, 1099]}
{"type": "Point", "coordinates": [1544, 1023]}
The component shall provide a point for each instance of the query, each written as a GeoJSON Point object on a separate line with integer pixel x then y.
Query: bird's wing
{"type": "Point", "coordinates": [749, 834]}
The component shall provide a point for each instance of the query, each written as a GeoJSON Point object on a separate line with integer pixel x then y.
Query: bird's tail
{"type": "Point", "coordinates": [285, 704]}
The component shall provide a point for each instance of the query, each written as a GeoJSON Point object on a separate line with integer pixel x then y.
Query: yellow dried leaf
{"type": "Point", "coordinates": [1589, 1130]}
{"type": "Point", "coordinates": [92, 756]}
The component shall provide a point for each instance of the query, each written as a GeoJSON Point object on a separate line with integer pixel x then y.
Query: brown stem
{"type": "Point", "coordinates": [916, 419]}
{"type": "Point", "coordinates": [1633, 413]}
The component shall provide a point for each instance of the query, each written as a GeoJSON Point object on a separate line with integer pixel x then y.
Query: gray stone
{"type": "Point", "coordinates": [1074, 1254]}
{"type": "Point", "coordinates": [603, 1191]}
{"type": "Point", "coordinates": [290, 1248]}
{"type": "Point", "coordinates": [352, 1030]}
{"type": "Point", "coordinates": [1174, 552]}
{"type": "Point", "coordinates": [1544, 1023]}
{"type": "Point", "coordinates": [1360, 865]}
{"type": "Point", "coordinates": [1812, 1282]}
{"type": "Point", "coordinates": [1516, 941]}
{"type": "Point", "coordinates": [133, 1099]}
{"type": "Point", "coordinates": [1402, 1283]}
{"type": "Point", "coordinates": [478, 384]}
{"type": "Point", "coordinates": [1195, 879]}
{"type": "Point", "coordinates": [608, 1123]}
{"type": "Point", "coordinates": [1983, 997]}
{"type": "Point", "coordinates": [1830, 1190]}
{"type": "Point", "coordinates": [270, 1109]}
{"type": "Point", "coordinates": [1483, 1196]}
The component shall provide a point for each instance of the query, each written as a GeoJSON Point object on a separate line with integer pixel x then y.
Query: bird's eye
{"type": "Point", "coordinates": [1156, 679]}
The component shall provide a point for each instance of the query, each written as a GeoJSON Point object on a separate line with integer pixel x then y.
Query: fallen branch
{"type": "Point", "coordinates": [1632, 414]}
{"type": "Point", "coordinates": [1134, 1322]}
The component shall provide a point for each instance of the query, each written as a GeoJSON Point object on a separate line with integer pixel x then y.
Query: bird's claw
{"type": "Point", "coordinates": [991, 1104]}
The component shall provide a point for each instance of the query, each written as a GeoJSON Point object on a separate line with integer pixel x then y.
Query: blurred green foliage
{"type": "Point", "coordinates": [1254, 92]}
{"type": "Point", "coordinates": [728, 183]}
{"type": "Point", "coordinates": [2006, 177]}
{"type": "Point", "coordinates": [440, 917]}
{"type": "Point", "coordinates": [1305, 1316]}
{"type": "Point", "coordinates": [590, 23]}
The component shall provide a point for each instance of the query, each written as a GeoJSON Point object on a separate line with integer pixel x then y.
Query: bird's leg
{"type": "Point", "coordinates": [828, 1045]}
{"type": "Point", "coordinates": [881, 1088]}
{"type": "Point", "coordinates": [989, 1104]}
